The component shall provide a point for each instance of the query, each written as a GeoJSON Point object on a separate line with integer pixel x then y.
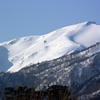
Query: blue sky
{"type": "Point", "coordinates": [19, 18]}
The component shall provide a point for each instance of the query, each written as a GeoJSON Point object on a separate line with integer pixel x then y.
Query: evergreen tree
{"type": "Point", "coordinates": [54, 92]}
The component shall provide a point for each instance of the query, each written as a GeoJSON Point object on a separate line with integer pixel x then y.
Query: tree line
{"type": "Point", "coordinates": [54, 92]}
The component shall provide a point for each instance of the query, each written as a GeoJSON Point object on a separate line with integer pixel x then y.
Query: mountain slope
{"type": "Point", "coordinates": [79, 69]}
{"type": "Point", "coordinates": [26, 51]}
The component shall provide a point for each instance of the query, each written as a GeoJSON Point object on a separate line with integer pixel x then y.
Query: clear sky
{"type": "Point", "coordinates": [19, 18]}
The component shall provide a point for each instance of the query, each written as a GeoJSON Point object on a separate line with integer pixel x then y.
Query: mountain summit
{"type": "Point", "coordinates": [90, 22]}
{"type": "Point", "coordinates": [21, 52]}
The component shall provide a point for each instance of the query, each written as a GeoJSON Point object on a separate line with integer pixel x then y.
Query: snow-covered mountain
{"type": "Point", "coordinates": [25, 51]}
{"type": "Point", "coordinates": [80, 70]}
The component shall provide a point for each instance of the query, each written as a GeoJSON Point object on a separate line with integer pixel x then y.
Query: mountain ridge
{"type": "Point", "coordinates": [33, 49]}
{"type": "Point", "coordinates": [80, 69]}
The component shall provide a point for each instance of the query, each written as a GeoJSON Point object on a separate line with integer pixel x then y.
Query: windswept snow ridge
{"type": "Point", "coordinates": [29, 50]}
